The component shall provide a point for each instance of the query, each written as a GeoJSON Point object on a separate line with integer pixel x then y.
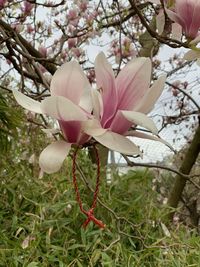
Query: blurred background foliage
{"type": "Point", "coordinates": [41, 222]}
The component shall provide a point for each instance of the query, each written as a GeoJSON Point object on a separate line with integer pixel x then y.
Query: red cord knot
{"type": "Point", "coordinates": [91, 217]}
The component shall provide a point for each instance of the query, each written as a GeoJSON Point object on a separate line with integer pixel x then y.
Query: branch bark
{"type": "Point", "coordinates": [187, 164]}
{"type": "Point", "coordinates": [33, 52]}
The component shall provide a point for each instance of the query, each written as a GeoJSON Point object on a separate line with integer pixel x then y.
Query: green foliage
{"type": "Point", "coordinates": [9, 120]}
{"type": "Point", "coordinates": [41, 224]}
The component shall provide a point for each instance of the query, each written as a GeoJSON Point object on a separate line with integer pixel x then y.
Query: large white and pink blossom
{"type": "Point", "coordinates": [70, 105]}
{"type": "Point", "coordinates": [105, 114]}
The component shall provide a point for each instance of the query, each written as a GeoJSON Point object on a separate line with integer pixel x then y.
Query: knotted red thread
{"type": "Point", "coordinates": [90, 212]}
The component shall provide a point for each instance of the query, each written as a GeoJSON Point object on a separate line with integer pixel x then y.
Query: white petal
{"type": "Point", "coordinates": [97, 104]}
{"type": "Point", "coordinates": [151, 96]}
{"type": "Point", "coordinates": [86, 100]}
{"type": "Point", "coordinates": [27, 102]}
{"type": "Point", "coordinates": [118, 143]}
{"type": "Point", "coordinates": [160, 21]}
{"type": "Point", "coordinates": [93, 128]}
{"type": "Point", "coordinates": [51, 131]}
{"type": "Point", "coordinates": [192, 55]}
{"type": "Point", "coordinates": [61, 108]}
{"type": "Point", "coordinates": [176, 31]}
{"type": "Point", "coordinates": [150, 137]}
{"type": "Point", "coordinates": [140, 119]}
{"type": "Point", "coordinates": [53, 155]}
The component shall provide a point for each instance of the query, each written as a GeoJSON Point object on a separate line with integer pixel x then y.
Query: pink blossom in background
{"type": "Point", "coordinates": [186, 13]}
{"type": "Point", "coordinates": [27, 7]}
{"type": "Point", "coordinates": [2, 3]}
{"type": "Point", "coordinates": [71, 42]}
{"type": "Point", "coordinates": [42, 50]}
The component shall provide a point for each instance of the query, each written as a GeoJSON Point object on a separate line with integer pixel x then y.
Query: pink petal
{"type": "Point", "coordinates": [53, 155]}
{"type": "Point", "coordinates": [106, 84]}
{"type": "Point", "coordinates": [132, 82]}
{"type": "Point", "coordinates": [119, 124]}
{"type": "Point", "coordinates": [72, 131]}
{"type": "Point", "coordinates": [148, 101]}
{"type": "Point", "coordinates": [69, 81]}
{"type": "Point", "coordinates": [195, 24]}
{"type": "Point", "coordinates": [175, 17]}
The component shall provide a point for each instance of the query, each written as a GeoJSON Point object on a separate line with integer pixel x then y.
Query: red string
{"type": "Point", "coordinates": [90, 212]}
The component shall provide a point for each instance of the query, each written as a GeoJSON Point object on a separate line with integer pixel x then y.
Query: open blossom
{"type": "Point", "coordinates": [105, 114]}
{"type": "Point", "coordinates": [122, 102]}
{"type": "Point", "coordinates": [70, 104]}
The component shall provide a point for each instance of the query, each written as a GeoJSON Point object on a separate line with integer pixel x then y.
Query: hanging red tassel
{"type": "Point", "coordinates": [90, 212]}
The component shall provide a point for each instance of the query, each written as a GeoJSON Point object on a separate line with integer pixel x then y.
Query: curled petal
{"type": "Point", "coordinates": [140, 119]}
{"type": "Point", "coordinates": [151, 96]}
{"type": "Point", "coordinates": [27, 102]}
{"type": "Point", "coordinates": [150, 137]}
{"type": "Point", "coordinates": [53, 155]}
{"type": "Point", "coordinates": [61, 108]}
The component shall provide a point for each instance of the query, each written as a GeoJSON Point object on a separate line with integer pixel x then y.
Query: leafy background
{"type": "Point", "coordinates": [40, 221]}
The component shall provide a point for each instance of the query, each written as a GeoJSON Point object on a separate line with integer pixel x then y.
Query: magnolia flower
{"type": "Point", "coordinates": [83, 112]}
{"type": "Point", "coordinates": [122, 102]}
{"type": "Point", "coordinates": [70, 104]}
{"type": "Point", "coordinates": [186, 14]}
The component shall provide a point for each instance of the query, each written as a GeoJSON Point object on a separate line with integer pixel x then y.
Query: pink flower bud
{"type": "Point", "coordinates": [72, 14]}
{"type": "Point", "coordinates": [42, 50]}
{"type": "Point", "coordinates": [2, 3]}
{"type": "Point", "coordinates": [83, 5]}
{"type": "Point", "coordinates": [29, 28]}
{"type": "Point", "coordinates": [27, 7]}
{"type": "Point", "coordinates": [76, 51]}
{"type": "Point", "coordinates": [71, 42]}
